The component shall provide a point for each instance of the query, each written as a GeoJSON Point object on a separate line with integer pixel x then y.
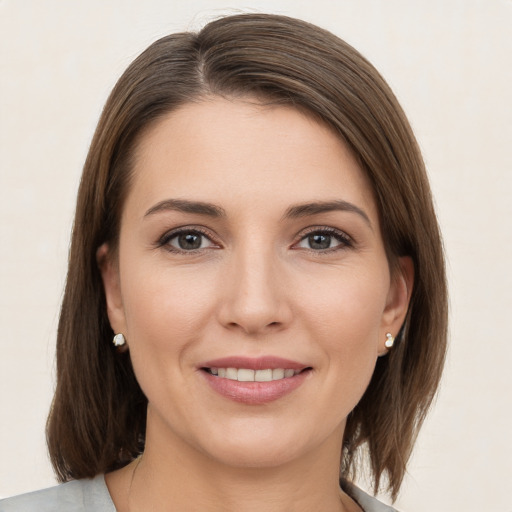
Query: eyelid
{"type": "Point", "coordinates": [164, 240]}
{"type": "Point", "coordinates": [346, 241]}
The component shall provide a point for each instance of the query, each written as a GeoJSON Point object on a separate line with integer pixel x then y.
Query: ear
{"type": "Point", "coordinates": [397, 304]}
{"type": "Point", "coordinates": [112, 286]}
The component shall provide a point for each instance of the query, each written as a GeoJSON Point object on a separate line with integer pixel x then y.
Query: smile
{"type": "Point", "coordinates": [254, 381]}
{"type": "Point", "coordinates": [249, 375]}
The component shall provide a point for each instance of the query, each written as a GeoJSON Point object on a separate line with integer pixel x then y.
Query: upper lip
{"type": "Point", "coordinates": [254, 363]}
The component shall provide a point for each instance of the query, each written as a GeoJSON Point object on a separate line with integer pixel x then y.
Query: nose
{"type": "Point", "coordinates": [255, 298]}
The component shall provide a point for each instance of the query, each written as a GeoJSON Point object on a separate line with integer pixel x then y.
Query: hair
{"type": "Point", "coordinates": [97, 419]}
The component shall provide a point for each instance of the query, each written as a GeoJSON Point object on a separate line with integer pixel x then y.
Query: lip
{"type": "Point", "coordinates": [254, 363]}
{"type": "Point", "coordinates": [254, 393]}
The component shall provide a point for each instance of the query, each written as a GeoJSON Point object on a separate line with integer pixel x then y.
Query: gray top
{"type": "Point", "coordinates": [87, 495]}
{"type": "Point", "coordinates": [91, 495]}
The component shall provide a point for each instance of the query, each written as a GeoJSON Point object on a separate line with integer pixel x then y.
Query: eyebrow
{"type": "Point", "coordinates": [185, 206]}
{"type": "Point", "coordinates": [307, 209]}
{"type": "Point", "coordinates": [294, 212]}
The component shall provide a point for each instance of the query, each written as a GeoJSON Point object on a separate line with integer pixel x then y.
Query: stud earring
{"type": "Point", "coordinates": [389, 340]}
{"type": "Point", "coordinates": [119, 340]}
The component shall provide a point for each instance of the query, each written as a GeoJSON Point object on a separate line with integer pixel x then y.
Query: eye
{"type": "Point", "coordinates": [324, 240]}
{"type": "Point", "coordinates": [186, 241]}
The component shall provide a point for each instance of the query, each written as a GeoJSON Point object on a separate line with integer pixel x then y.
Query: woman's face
{"type": "Point", "coordinates": [252, 283]}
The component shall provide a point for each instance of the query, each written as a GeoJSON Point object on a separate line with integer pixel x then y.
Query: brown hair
{"type": "Point", "coordinates": [97, 420]}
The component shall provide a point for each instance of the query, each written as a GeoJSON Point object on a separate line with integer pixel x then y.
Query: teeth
{"type": "Point", "coordinates": [247, 375]}
{"type": "Point", "coordinates": [277, 373]}
{"type": "Point", "coordinates": [232, 374]}
{"type": "Point", "coordinates": [243, 375]}
{"type": "Point", "coordinates": [263, 375]}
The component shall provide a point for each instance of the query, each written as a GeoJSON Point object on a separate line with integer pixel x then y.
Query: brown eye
{"type": "Point", "coordinates": [325, 240]}
{"type": "Point", "coordinates": [189, 240]}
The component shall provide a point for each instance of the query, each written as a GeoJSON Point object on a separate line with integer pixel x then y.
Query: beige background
{"type": "Point", "coordinates": [449, 62]}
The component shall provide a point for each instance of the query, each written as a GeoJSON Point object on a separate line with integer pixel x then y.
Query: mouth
{"type": "Point", "coordinates": [254, 381]}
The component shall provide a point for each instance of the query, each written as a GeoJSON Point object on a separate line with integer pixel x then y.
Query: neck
{"type": "Point", "coordinates": [173, 475]}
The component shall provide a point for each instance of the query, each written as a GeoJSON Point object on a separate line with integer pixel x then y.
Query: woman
{"type": "Point", "coordinates": [256, 285]}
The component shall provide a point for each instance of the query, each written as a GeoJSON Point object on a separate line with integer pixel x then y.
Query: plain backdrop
{"type": "Point", "coordinates": [448, 61]}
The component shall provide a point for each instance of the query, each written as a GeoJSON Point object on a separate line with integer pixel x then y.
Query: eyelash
{"type": "Point", "coordinates": [345, 241]}
{"type": "Point", "coordinates": [165, 240]}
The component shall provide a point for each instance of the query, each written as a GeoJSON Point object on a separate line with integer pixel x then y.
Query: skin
{"type": "Point", "coordinates": [258, 285]}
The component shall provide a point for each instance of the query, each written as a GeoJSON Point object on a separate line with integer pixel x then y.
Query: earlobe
{"type": "Point", "coordinates": [397, 304]}
{"type": "Point", "coordinates": [111, 284]}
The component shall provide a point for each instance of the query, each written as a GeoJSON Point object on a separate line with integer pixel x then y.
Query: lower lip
{"type": "Point", "coordinates": [255, 393]}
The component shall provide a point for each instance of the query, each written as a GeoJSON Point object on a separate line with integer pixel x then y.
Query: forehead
{"type": "Point", "coordinates": [229, 150]}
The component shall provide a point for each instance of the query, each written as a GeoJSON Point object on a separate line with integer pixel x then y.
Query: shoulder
{"type": "Point", "coordinates": [365, 501]}
{"type": "Point", "coordinates": [87, 495]}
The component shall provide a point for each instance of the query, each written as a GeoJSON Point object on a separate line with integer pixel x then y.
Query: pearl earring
{"type": "Point", "coordinates": [119, 340]}
{"type": "Point", "coordinates": [389, 340]}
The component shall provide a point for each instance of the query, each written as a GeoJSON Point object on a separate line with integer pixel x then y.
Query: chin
{"type": "Point", "coordinates": [261, 446]}
{"type": "Point", "coordinates": [256, 456]}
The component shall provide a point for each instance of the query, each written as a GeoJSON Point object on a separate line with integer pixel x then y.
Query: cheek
{"type": "Point", "coordinates": [164, 318]}
{"type": "Point", "coordinates": [344, 319]}
{"type": "Point", "coordinates": [349, 307]}
{"type": "Point", "coordinates": [165, 305]}
{"type": "Point", "coordinates": [165, 315]}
